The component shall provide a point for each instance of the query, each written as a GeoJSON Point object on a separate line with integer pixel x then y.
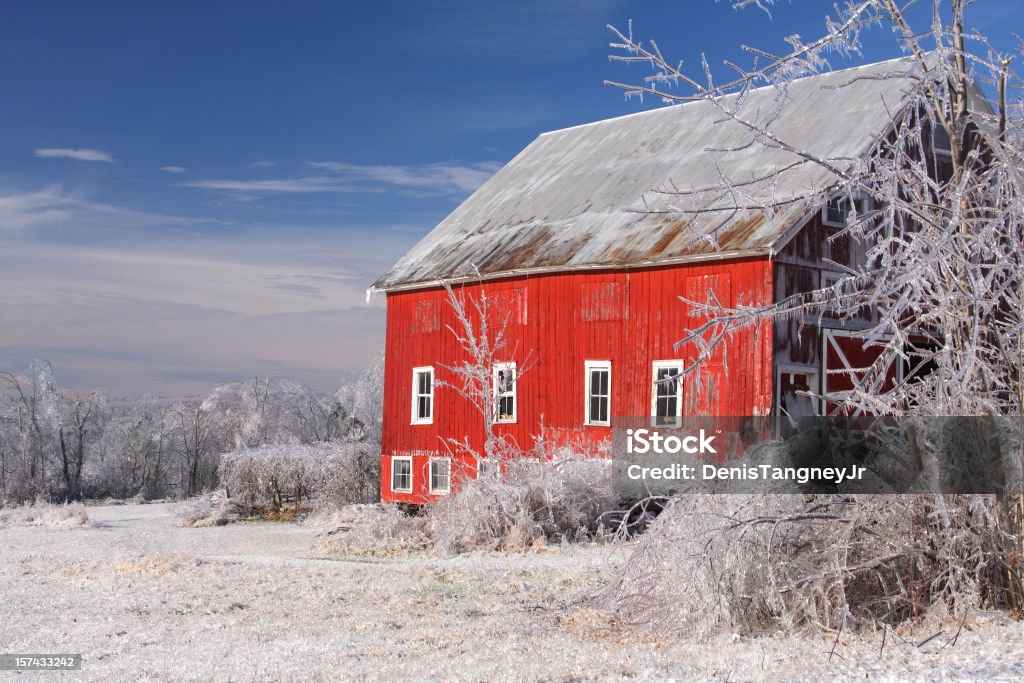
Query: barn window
{"type": "Point", "coordinates": [505, 392]}
{"type": "Point", "coordinates": [440, 475]}
{"type": "Point", "coordinates": [423, 395]}
{"type": "Point", "coordinates": [667, 394]}
{"type": "Point", "coordinates": [487, 468]}
{"type": "Point", "coordinates": [793, 397]}
{"type": "Point", "coordinates": [598, 375]}
{"type": "Point", "coordinates": [401, 474]}
{"type": "Point", "coordinates": [830, 280]}
{"type": "Point", "coordinates": [837, 210]}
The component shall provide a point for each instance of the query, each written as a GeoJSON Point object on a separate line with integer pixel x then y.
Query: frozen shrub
{"type": "Point", "coordinates": [45, 514]}
{"type": "Point", "coordinates": [533, 500]}
{"type": "Point", "coordinates": [213, 509]}
{"type": "Point", "coordinates": [336, 473]}
{"type": "Point", "coordinates": [382, 529]}
{"type": "Point", "coordinates": [748, 563]}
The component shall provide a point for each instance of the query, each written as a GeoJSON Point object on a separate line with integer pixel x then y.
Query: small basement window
{"type": "Point", "coordinates": [423, 395]}
{"type": "Point", "coordinates": [486, 468]}
{"type": "Point", "coordinates": [401, 474]}
{"type": "Point", "coordinates": [598, 374]}
{"type": "Point", "coordinates": [837, 210]}
{"type": "Point", "coordinates": [667, 394]}
{"type": "Point", "coordinates": [505, 392]}
{"type": "Point", "coordinates": [440, 475]}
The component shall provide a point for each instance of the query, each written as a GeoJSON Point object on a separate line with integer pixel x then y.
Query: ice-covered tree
{"type": "Point", "coordinates": [482, 330]}
{"type": "Point", "coordinates": [942, 275]}
{"type": "Point", "coordinates": [944, 249]}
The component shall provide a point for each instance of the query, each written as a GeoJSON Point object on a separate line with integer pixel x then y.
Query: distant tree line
{"type": "Point", "coordinates": [59, 443]}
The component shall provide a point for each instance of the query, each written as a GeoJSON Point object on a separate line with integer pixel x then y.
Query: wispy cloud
{"type": "Point", "coordinates": [306, 184]}
{"type": "Point", "coordinates": [54, 214]}
{"type": "Point", "coordinates": [343, 176]}
{"type": "Point", "coordinates": [263, 164]}
{"type": "Point", "coordinates": [78, 154]}
{"type": "Point", "coordinates": [442, 177]}
{"type": "Point", "coordinates": [173, 169]}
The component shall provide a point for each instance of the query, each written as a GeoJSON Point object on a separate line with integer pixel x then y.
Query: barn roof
{"type": "Point", "coordinates": [571, 199]}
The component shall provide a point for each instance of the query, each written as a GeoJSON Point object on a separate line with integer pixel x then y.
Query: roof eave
{"type": "Point", "coordinates": [764, 252]}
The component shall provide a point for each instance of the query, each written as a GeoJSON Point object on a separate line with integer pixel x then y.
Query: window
{"type": "Point", "coordinates": [505, 392]}
{"type": "Point", "coordinates": [487, 468]}
{"type": "Point", "coordinates": [795, 383]}
{"type": "Point", "coordinates": [598, 375]}
{"type": "Point", "coordinates": [440, 475]}
{"type": "Point", "coordinates": [667, 394]}
{"type": "Point", "coordinates": [837, 209]}
{"type": "Point", "coordinates": [829, 280]}
{"type": "Point", "coordinates": [401, 474]}
{"type": "Point", "coordinates": [422, 396]}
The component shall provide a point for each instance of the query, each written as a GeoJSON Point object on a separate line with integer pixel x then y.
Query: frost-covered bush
{"type": "Point", "coordinates": [748, 563]}
{"type": "Point", "coordinates": [327, 473]}
{"type": "Point", "coordinates": [532, 501]}
{"type": "Point", "coordinates": [66, 516]}
{"type": "Point", "coordinates": [212, 509]}
{"type": "Point", "coordinates": [382, 529]}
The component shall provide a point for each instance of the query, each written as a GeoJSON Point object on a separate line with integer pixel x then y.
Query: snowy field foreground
{"type": "Point", "coordinates": [144, 600]}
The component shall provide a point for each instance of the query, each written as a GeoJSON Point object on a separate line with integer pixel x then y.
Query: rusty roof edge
{"type": "Point", "coordinates": [545, 270]}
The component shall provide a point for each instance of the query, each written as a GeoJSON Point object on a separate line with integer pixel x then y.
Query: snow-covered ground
{"type": "Point", "coordinates": [144, 600]}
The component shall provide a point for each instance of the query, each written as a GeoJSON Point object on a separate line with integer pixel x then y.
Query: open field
{"type": "Point", "coordinates": [145, 600]}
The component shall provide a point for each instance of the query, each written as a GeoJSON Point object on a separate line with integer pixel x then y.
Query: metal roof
{"type": "Point", "coordinates": [573, 199]}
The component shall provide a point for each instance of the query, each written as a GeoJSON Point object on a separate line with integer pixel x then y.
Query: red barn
{"type": "Point", "coordinates": [586, 263]}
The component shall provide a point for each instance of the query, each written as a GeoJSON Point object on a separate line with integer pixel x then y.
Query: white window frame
{"type": "Point", "coordinates": [498, 395]}
{"type": "Point", "coordinates": [858, 198]}
{"type": "Point", "coordinates": [487, 467]}
{"type": "Point", "coordinates": [663, 365]}
{"type": "Point", "coordinates": [447, 463]}
{"type": "Point", "coordinates": [588, 367]}
{"type": "Point", "coordinates": [416, 372]}
{"type": "Point", "coordinates": [396, 459]}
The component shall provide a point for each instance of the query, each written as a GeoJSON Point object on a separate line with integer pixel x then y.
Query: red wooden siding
{"type": "Point", "coordinates": [631, 318]}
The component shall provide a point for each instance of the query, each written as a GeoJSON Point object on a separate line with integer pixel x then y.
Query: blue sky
{"type": "Point", "coordinates": [196, 192]}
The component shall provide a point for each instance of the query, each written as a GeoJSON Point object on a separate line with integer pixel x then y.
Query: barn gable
{"type": "Point", "coordinates": [573, 199]}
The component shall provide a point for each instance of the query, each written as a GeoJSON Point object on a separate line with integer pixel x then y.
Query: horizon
{"type": "Point", "coordinates": [199, 193]}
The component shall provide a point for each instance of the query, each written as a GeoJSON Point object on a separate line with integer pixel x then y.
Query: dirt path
{"type": "Point", "coordinates": [142, 599]}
